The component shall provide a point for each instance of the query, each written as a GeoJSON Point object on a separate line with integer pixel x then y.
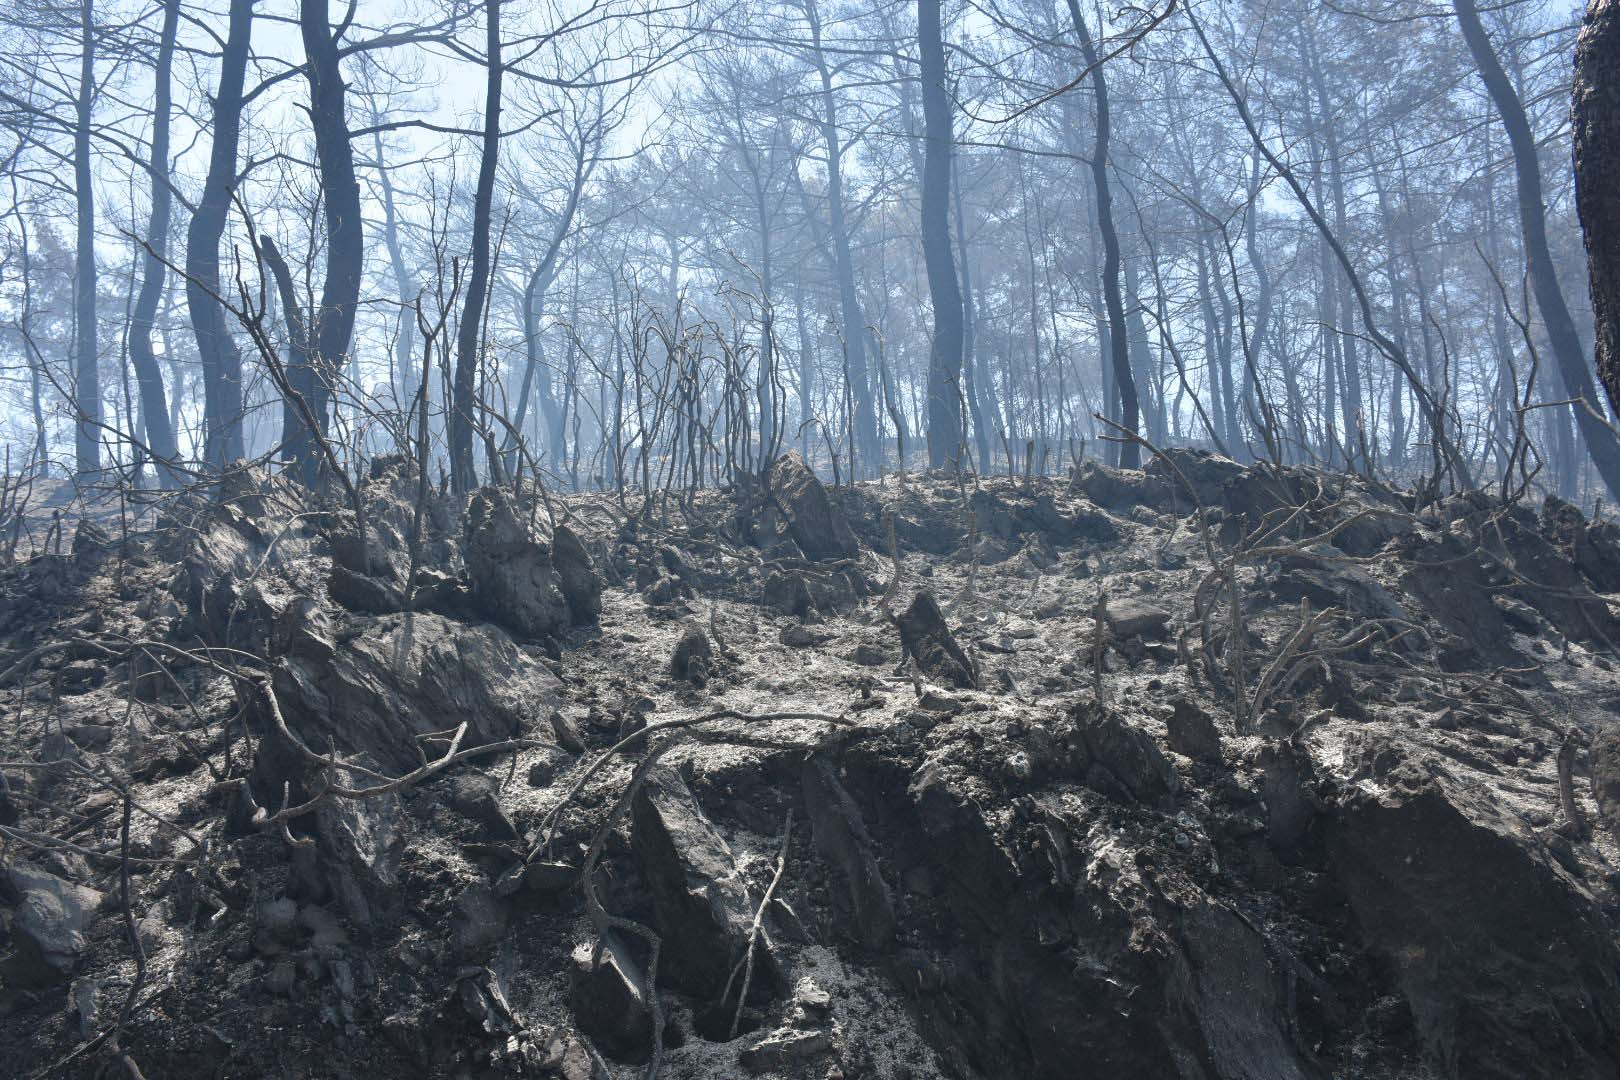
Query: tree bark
{"type": "Point", "coordinates": [1568, 354]}
{"type": "Point", "coordinates": [1597, 165]}
{"type": "Point", "coordinates": [945, 294]}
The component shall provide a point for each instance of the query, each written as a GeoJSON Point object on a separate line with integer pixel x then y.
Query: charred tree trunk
{"type": "Point", "coordinates": [345, 236]}
{"type": "Point", "coordinates": [945, 293]}
{"type": "Point", "coordinates": [464, 406]}
{"type": "Point", "coordinates": [1597, 164]}
{"type": "Point", "coordinates": [1130, 454]}
{"type": "Point", "coordinates": [218, 357]}
{"type": "Point", "coordinates": [154, 270]}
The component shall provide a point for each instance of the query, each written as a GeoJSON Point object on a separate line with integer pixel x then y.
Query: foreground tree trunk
{"type": "Point", "coordinates": [1568, 354]}
{"type": "Point", "coordinates": [1597, 167]}
{"type": "Point", "coordinates": [945, 294]}
{"type": "Point", "coordinates": [217, 354]}
{"type": "Point", "coordinates": [154, 270]}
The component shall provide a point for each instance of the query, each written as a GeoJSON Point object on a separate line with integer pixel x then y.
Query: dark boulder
{"type": "Point", "coordinates": [701, 903]}
{"type": "Point", "coordinates": [841, 839]}
{"type": "Point", "coordinates": [816, 526]}
{"type": "Point", "coordinates": [1502, 958]}
{"type": "Point", "coordinates": [927, 639]}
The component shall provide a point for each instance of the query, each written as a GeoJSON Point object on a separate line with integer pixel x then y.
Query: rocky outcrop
{"type": "Point", "coordinates": [531, 586]}
{"type": "Point", "coordinates": [1497, 951]}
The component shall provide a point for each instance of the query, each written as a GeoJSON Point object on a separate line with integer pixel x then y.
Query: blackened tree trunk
{"type": "Point", "coordinates": [944, 292]}
{"type": "Point", "coordinates": [217, 353]}
{"type": "Point", "coordinates": [1568, 354]}
{"type": "Point", "coordinates": [345, 232]}
{"type": "Point", "coordinates": [86, 371]}
{"type": "Point", "coordinates": [1597, 167]}
{"type": "Point", "coordinates": [154, 271]}
{"type": "Point", "coordinates": [1130, 454]}
{"type": "Point", "coordinates": [464, 407]}
{"type": "Point", "coordinates": [300, 370]}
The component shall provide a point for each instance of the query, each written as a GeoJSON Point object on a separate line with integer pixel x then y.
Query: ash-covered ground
{"type": "Point", "coordinates": [1203, 771]}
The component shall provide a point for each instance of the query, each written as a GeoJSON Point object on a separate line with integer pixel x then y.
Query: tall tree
{"type": "Point", "coordinates": [86, 354]}
{"type": "Point", "coordinates": [154, 267]}
{"type": "Point", "coordinates": [1130, 454]}
{"type": "Point", "coordinates": [469, 335]}
{"type": "Point", "coordinates": [945, 434]}
{"type": "Point", "coordinates": [345, 232]}
{"type": "Point", "coordinates": [219, 358]}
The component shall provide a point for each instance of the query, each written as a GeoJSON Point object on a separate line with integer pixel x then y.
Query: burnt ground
{"type": "Point", "coordinates": [1205, 771]}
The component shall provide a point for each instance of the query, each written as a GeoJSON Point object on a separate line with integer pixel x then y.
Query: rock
{"type": "Point", "coordinates": [1594, 548]}
{"type": "Point", "coordinates": [693, 655]}
{"type": "Point", "coordinates": [867, 654]}
{"type": "Point", "coordinates": [513, 581]}
{"type": "Point", "coordinates": [576, 574]}
{"type": "Point", "coordinates": [48, 926]}
{"type": "Point", "coordinates": [1129, 617]}
{"type": "Point", "coordinates": [282, 979]}
{"type": "Point", "coordinates": [372, 687]}
{"type": "Point", "coordinates": [1323, 577]}
{"type": "Point", "coordinates": [701, 903]}
{"type": "Point", "coordinates": [567, 733]}
{"type": "Point", "coordinates": [1290, 805]}
{"type": "Point", "coordinates": [359, 843]}
{"type": "Point", "coordinates": [610, 999]}
{"type": "Point", "coordinates": [787, 593]}
{"type": "Point", "coordinates": [1501, 957]}
{"type": "Point", "coordinates": [1606, 777]}
{"type": "Point", "coordinates": [841, 839]}
{"type": "Point", "coordinates": [926, 638]}
{"type": "Point", "coordinates": [797, 636]}
{"type": "Point", "coordinates": [1192, 732]}
{"type": "Point", "coordinates": [1119, 760]}
{"type": "Point", "coordinates": [819, 531]}
{"type": "Point", "coordinates": [477, 923]}
{"type": "Point", "coordinates": [477, 797]}
{"type": "Point", "coordinates": [784, 1051]}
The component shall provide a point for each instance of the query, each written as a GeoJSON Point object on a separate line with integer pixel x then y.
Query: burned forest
{"type": "Point", "coordinates": [809, 539]}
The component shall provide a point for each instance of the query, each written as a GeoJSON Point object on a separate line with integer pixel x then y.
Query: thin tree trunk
{"type": "Point", "coordinates": [470, 332]}
{"type": "Point", "coordinates": [1130, 454]}
{"type": "Point", "coordinates": [154, 270]}
{"type": "Point", "coordinates": [945, 293]}
{"type": "Point", "coordinates": [86, 367]}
